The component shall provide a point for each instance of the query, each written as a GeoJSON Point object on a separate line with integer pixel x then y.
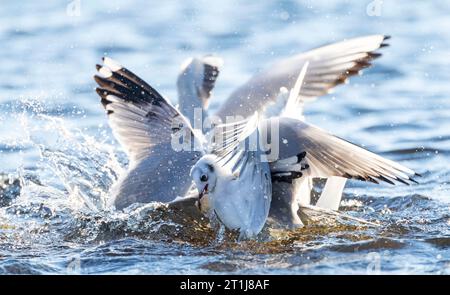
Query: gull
{"type": "Point", "coordinates": [239, 188]}
{"type": "Point", "coordinates": [304, 151]}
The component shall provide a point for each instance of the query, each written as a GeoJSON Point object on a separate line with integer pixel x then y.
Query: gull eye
{"type": "Point", "coordinates": [204, 178]}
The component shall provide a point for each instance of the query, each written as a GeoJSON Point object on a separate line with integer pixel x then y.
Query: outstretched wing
{"type": "Point", "coordinates": [328, 66]}
{"type": "Point", "coordinates": [211, 70]}
{"type": "Point", "coordinates": [288, 103]}
{"type": "Point", "coordinates": [138, 115]}
{"type": "Point", "coordinates": [158, 139]}
{"type": "Point", "coordinates": [328, 155]}
{"type": "Point", "coordinates": [195, 84]}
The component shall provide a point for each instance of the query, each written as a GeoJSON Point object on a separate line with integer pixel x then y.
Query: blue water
{"type": "Point", "coordinates": [54, 135]}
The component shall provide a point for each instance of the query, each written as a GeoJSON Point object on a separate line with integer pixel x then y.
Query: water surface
{"type": "Point", "coordinates": [55, 139]}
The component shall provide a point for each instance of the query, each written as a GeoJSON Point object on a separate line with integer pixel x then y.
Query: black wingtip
{"type": "Point", "coordinates": [362, 64]}
{"type": "Point", "coordinates": [102, 92]}
{"type": "Point", "coordinates": [352, 72]}
{"type": "Point", "coordinates": [374, 55]}
{"type": "Point", "coordinates": [402, 181]}
{"type": "Point", "coordinates": [372, 180]}
{"type": "Point", "coordinates": [98, 67]}
{"type": "Point", "coordinates": [301, 156]}
{"type": "Point", "coordinates": [413, 180]}
{"type": "Point", "coordinates": [385, 179]}
{"type": "Point", "coordinates": [102, 81]}
{"type": "Point", "coordinates": [385, 38]}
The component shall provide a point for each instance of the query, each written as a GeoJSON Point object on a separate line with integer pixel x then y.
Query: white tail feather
{"type": "Point", "coordinates": [332, 193]}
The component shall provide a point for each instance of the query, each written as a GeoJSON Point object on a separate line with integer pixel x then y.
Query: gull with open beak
{"type": "Point", "coordinates": [238, 182]}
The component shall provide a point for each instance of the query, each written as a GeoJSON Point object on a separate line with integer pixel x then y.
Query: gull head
{"type": "Point", "coordinates": [204, 175]}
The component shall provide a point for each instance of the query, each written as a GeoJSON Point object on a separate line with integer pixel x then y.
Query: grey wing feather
{"type": "Point", "coordinates": [195, 84]}
{"type": "Point", "coordinates": [328, 66]}
{"type": "Point", "coordinates": [251, 169]}
{"type": "Point", "coordinates": [162, 178]}
{"type": "Point", "coordinates": [138, 115]}
{"type": "Point", "coordinates": [328, 155]}
{"type": "Point", "coordinates": [201, 73]}
{"type": "Point", "coordinates": [145, 123]}
{"type": "Point", "coordinates": [211, 71]}
{"type": "Point", "coordinates": [230, 141]}
{"type": "Point", "coordinates": [255, 175]}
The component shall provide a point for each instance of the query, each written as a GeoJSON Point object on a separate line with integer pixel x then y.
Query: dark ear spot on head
{"type": "Point", "coordinates": [210, 168]}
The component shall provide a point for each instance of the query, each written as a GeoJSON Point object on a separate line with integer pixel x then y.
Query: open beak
{"type": "Point", "coordinates": [203, 192]}
{"type": "Point", "coordinates": [200, 196]}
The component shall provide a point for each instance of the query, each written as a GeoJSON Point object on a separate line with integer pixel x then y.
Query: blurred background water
{"type": "Point", "coordinates": [55, 140]}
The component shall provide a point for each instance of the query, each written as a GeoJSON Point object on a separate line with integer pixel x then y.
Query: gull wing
{"type": "Point", "coordinates": [329, 66]}
{"type": "Point", "coordinates": [241, 154]}
{"type": "Point", "coordinates": [158, 139]}
{"type": "Point", "coordinates": [288, 103]}
{"type": "Point", "coordinates": [195, 83]}
{"type": "Point", "coordinates": [230, 141]}
{"type": "Point", "coordinates": [254, 176]}
{"type": "Point", "coordinates": [331, 195]}
{"type": "Point", "coordinates": [138, 115]}
{"type": "Point", "coordinates": [328, 155]}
